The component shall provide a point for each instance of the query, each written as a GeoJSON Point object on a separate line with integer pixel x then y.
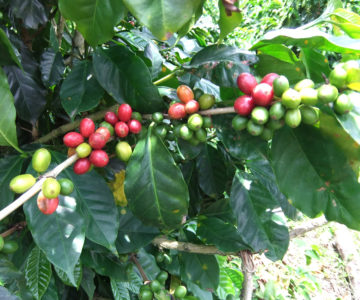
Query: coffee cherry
{"type": "Point", "coordinates": [207, 123]}
{"type": "Point", "coordinates": [157, 117]}
{"type": "Point", "coordinates": [123, 151]}
{"type": "Point", "coordinates": [277, 111]}
{"type": "Point", "coordinates": [267, 134]}
{"type": "Point", "coordinates": [275, 124]}
{"type": "Point", "coordinates": [309, 96]}
{"type": "Point", "coordinates": [293, 117]}
{"type": "Point", "coordinates": [177, 111]}
{"type": "Point", "coordinates": [105, 132]}
{"type": "Point", "coordinates": [167, 259]}
{"type": "Point", "coordinates": [280, 85]}
{"type": "Point", "coordinates": [47, 206]}
{"type": "Point", "coordinates": [244, 105]}
{"type": "Point", "coordinates": [206, 101]}
{"type": "Point", "coordinates": [99, 158]}
{"type": "Point", "coordinates": [180, 291]}
{"type": "Point", "coordinates": [73, 139]}
{"type": "Point", "coordinates": [10, 247]}
{"type": "Point", "coordinates": [121, 129]}
{"type": "Point", "coordinates": [260, 115]}
{"type": "Point", "coordinates": [246, 83]}
{"type": "Point", "coordinates": [83, 150]}
{"type": "Point", "coordinates": [309, 115]}
{"type": "Point", "coordinates": [51, 188]}
{"type": "Point", "coordinates": [184, 93]}
{"type": "Point", "coordinates": [87, 127]}
{"type": "Point", "coordinates": [22, 183]}
{"type": "Point", "coordinates": [254, 129]}
{"type": "Point", "coordinates": [111, 117]}
{"type": "Point", "coordinates": [146, 295]}
{"type": "Point", "coordinates": [269, 78]}
{"type": "Point", "coordinates": [337, 77]}
{"type": "Point", "coordinates": [302, 84]}
{"type": "Point", "coordinates": [124, 112]}
{"type": "Point", "coordinates": [195, 122]}
{"type": "Point", "coordinates": [343, 104]}
{"type": "Point", "coordinates": [263, 94]}
{"type": "Point", "coordinates": [162, 276]}
{"type": "Point", "coordinates": [97, 140]}
{"type": "Point", "coordinates": [136, 116]}
{"type": "Point", "coordinates": [327, 93]}
{"type": "Point", "coordinates": [66, 186]}
{"type": "Point", "coordinates": [192, 107]}
{"type": "Point", "coordinates": [160, 131]}
{"type": "Point", "coordinates": [239, 123]}
{"type": "Point", "coordinates": [155, 286]}
{"type": "Point", "coordinates": [134, 126]}
{"type": "Point", "coordinates": [41, 160]}
{"type": "Point", "coordinates": [291, 99]}
{"type": "Point", "coordinates": [185, 132]}
{"type": "Point", "coordinates": [81, 166]}
{"type": "Point", "coordinates": [201, 135]}
{"type": "Point", "coordinates": [108, 126]}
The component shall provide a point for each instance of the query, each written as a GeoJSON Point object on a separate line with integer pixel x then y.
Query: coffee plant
{"type": "Point", "coordinates": [141, 161]}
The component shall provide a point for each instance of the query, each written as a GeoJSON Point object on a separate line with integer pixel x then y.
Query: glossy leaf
{"type": "Point", "coordinates": [316, 64]}
{"type": "Point", "coordinates": [148, 263]}
{"type": "Point", "coordinates": [8, 56]}
{"type": "Point", "coordinates": [80, 91]}
{"type": "Point", "coordinates": [8, 271]}
{"type": "Point", "coordinates": [154, 186]}
{"type": "Point", "coordinates": [347, 21]}
{"type": "Point", "coordinates": [280, 52]}
{"type": "Point", "coordinates": [133, 234]}
{"type": "Point", "coordinates": [77, 275]}
{"type": "Point", "coordinates": [117, 69]}
{"type": "Point", "coordinates": [152, 53]}
{"type": "Point", "coordinates": [52, 67]}
{"type": "Point", "coordinates": [95, 20]}
{"type": "Point", "coordinates": [31, 12]}
{"type": "Point", "coordinates": [28, 94]}
{"type": "Point", "coordinates": [228, 23]}
{"type": "Point", "coordinates": [200, 269]}
{"type": "Point", "coordinates": [259, 226]}
{"type": "Point", "coordinates": [37, 273]}
{"type": "Point", "coordinates": [222, 234]}
{"type": "Point", "coordinates": [96, 204]}
{"type": "Point", "coordinates": [8, 135]}
{"type": "Point", "coordinates": [119, 290]}
{"type": "Point", "coordinates": [194, 18]}
{"type": "Point", "coordinates": [323, 178]}
{"type": "Point", "coordinates": [161, 17]}
{"type": "Point", "coordinates": [87, 282]}
{"type": "Point", "coordinates": [51, 292]}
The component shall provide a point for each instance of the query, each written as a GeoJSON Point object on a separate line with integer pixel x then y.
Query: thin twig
{"type": "Point", "coordinates": [141, 270]}
{"type": "Point", "coordinates": [16, 227]}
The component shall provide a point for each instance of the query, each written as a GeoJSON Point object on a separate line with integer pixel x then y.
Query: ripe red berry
{"type": "Point", "coordinates": [87, 127]}
{"type": "Point", "coordinates": [124, 112]}
{"type": "Point", "coordinates": [269, 78]}
{"type": "Point", "coordinates": [184, 93]}
{"type": "Point", "coordinates": [121, 129]}
{"type": "Point", "coordinates": [73, 139]}
{"type": "Point", "coordinates": [111, 117]}
{"type": "Point", "coordinates": [263, 93]}
{"type": "Point", "coordinates": [177, 111]}
{"type": "Point", "coordinates": [192, 107]}
{"type": "Point", "coordinates": [105, 132]}
{"type": "Point", "coordinates": [244, 105]}
{"type": "Point", "coordinates": [246, 83]}
{"type": "Point", "coordinates": [47, 206]}
{"type": "Point", "coordinates": [99, 158]}
{"type": "Point", "coordinates": [97, 140]}
{"type": "Point", "coordinates": [134, 126]}
{"type": "Point", "coordinates": [81, 166]}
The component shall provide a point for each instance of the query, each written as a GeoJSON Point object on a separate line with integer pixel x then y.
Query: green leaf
{"type": "Point", "coordinates": [87, 282]}
{"type": "Point", "coordinates": [133, 234]}
{"type": "Point", "coordinates": [226, 285]}
{"type": "Point", "coordinates": [280, 52]}
{"type": "Point", "coordinates": [189, 25]}
{"type": "Point", "coordinates": [348, 21]}
{"type": "Point", "coordinates": [153, 54]}
{"type": "Point", "coordinates": [310, 38]}
{"type": "Point", "coordinates": [95, 20]}
{"type": "Point", "coordinates": [7, 123]}
{"type": "Point", "coordinates": [8, 56]}
{"type": "Point", "coordinates": [6, 295]}
{"type": "Point", "coordinates": [31, 12]}
{"type": "Point", "coordinates": [126, 78]}
{"type": "Point", "coordinates": [52, 67]}
{"type": "Point", "coordinates": [228, 23]}
{"type": "Point", "coordinates": [222, 234]}
{"type": "Point", "coordinates": [154, 186]}
{"type": "Point", "coordinates": [80, 91]}
{"type": "Point", "coordinates": [10, 167]}
{"type": "Point", "coordinates": [260, 228]}
{"type": "Point", "coordinates": [316, 64]}
{"type": "Point", "coordinates": [148, 263]}
{"type": "Point", "coordinates": [37, 273]}
{"type": "Point", "coordinates": [198, 292]}
{"type": "Point", "coordinates": [315, 175]}
{"type": "Point", "coordinates": [119, 290]}
{"type": "Point", "coordinates": [52, 291]}
{"type": "Point", "coordinates": [8, 272]}
{"type": "Point", "coordinates": [77, 274]}
{"type": "Point", "coordinates": [163, 18]}
{"type": "Point", "coordinates": [200, 269]}
{"type": "Point", "coordinates": [96, 205]}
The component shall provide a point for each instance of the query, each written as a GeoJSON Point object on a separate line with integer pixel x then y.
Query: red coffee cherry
{"type": "Point", "coordinates": [177, 111]}
{"type": "Point", "coordinates": [111, 117]}
{"type": "Point", "coordinates": [105, 132]}
{"type": "Point", "coordinates": [121, 129]}
{"type": "Point", "coordinates": [81, 166]}
{"type": "Point", "coordinates": [134, 126]}
{"type": "Point", "coordinates": [87, 127]}
{"type": "Point", "coordinates": [192, 107]}
{"type": "Point", "coordinates": [244, 105]}
{"type": "Point", "coordinates": [73, 139]}
{"type": "Point", "coordinates": [246, 83]}
{"type": "Point", "coordinates": [99, 158]}
{"type": "Point", "coordinates": [124, 112]}
{"type": "Point", "coordinates": [97, 140]}
{"type": "Point", "coordinates": [47, 206]}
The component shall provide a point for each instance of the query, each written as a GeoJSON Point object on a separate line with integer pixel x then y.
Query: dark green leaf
{"type": "Point", "coordinates": [148, 263]}
{"type": "Point", "coordinates": [9, 168]}
{"type": "Point", "coordinates": [187, 150]}
{"type": "Point", "coordinates": [7, 123]}
{"type": "Point", "coordinates": [126, 78]}
{"type": "Point", "coordinates": [87, 282]}
{"type": "Point", "coordinates": [37, 273]}
{"type": "Point", "coordinates": [228, 23]}
{"type": "Point", "coordinates": [8, 56]}
{"type": "Point", "coordinates": [51, 292]}
{"type": "Point", "coordinates": [187, 27]}
{"type": "Point", "coordinates": [211, 171]}
{"type": "Point", "coordinates": [200, 269]}
{"type": "Point", "coordinates": [154, 186]}
{"type": "Point", "coordinates": [161, 17]}
{"type": "Point", "coordinates": [119, 290]}
{"type": "Point", "coordinates": [207, 87]}
{"type": "Point", "coordinates": [8, 272]}
{"type": "Point", "coordinates": [222, 234]}
{"type": "Point", "coordinates": [29, 95]}
{"type": "Point", "coordinates": [77, 275]}
{"type": "Point", "coordinates": [198, 292]}
{"type": "Point", "coordinates": [152, 53]}
{"type": "Point", "coordinates": [315, 175]}
{"type": "Point", "coordinates": [6, 295]}
{"type": "Point", "coordinates": [95, 20]}
{"type": "Point", "coordinates": [133, 234]}
{"type": "Point", "coordinates": [80, 91]}
{"type": "Point", "coordinates": [316, 65]}
{"type": "Point", "coordinates": [136, 39]}
{"type": "Point", "coordinates": [31, 12]}
{"type": "Point", "coordinates": [280, 52]}
{"type": "Point", "coordinates": [52, 67]}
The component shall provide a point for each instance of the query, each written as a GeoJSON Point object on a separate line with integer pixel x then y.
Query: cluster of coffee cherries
{"type": "Point", "coordinates": [194, 130]}
{"type": "Point", "coordinates": [91, 153]}
{"type": "Point", "coordinates": [268, 105]}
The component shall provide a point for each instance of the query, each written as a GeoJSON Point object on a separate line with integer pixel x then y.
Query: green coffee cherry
{"type": "Point", "coordinates": [123, 151]}
{"type": "Point", "coordinates": [108, 126]}
{"type": "Point", "coordinates": [253, 128]}
{"type": "Point", "coordinates": [239, 122]}
{"type": "Point", "coordinates": [157, 117]}
{"type": "Point", "coordinates": [161, 131]}
{"type": "Point", "coordinates": [83, 150]}
{"type": "Point", "coordinates": [207, 123]}
{"type": "Point", "coordinates": [180, 291]}
{"type": "Point", "coordinates": [22, 183]}
{"type": "Point", "coordinates": [275, 124]}
{"type": "Point", "coordinates": [291, 98]}
{"type": "Point", "coordinates": [309, 115]}
{"type": "Point", "coordinates": [195, 122]}
{"type": "Point", "coordinates": [267, 134]}
{"type": "Point", "coordinates": [41, 160]}
{"type": "Point", "coordinates": [185, 132]}
{"type": "Point", "coordinates": [309, 96]}
{"type": "Point", "coordinates": [201, 135]}
{"type": "Point", "coordinates": [10, 247]}
{"type": "Point", "coordinates": [327, 93]}
{"type": "Point", "coordinates": [293, 117]}
{"type": "Point", "coordinates": [343, 104]}
{"type": "Point", "coordinates": [305, 83]}
{"type": "Point", "coordinates": [277, 111]}
{"type": "Point", "coordinates": [280, 85]}
{"type": "Point", "coordinates": [136, 116]}
{"type": "Point", "coordinates": [260, 115]}
{"type": "Point", "coordinates": [51, 188]}
{"type": "Point", "coordinates": [338, 77]}
{"type": "Point", "coordinates": [66, 186]}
